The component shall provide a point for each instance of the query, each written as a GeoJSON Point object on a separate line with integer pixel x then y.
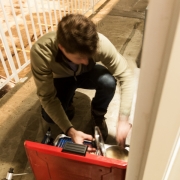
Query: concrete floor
{"type": "Point", "coordinates": [20, 117]}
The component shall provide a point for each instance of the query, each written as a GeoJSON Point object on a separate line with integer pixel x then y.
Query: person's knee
{"type": "Point", "coordinates": [108, 82]}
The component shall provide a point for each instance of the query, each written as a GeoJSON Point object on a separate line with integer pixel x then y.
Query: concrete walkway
{"type": "Point", "coordinates": [20, 117]}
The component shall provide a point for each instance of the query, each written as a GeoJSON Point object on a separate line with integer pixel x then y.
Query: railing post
{"type": "Point", "coordinates": [9, 56]}
{"type": "Point", "coordinates": [93, 12]}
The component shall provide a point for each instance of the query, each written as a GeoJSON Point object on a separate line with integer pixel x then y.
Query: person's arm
{"type": "Point", "coordinates": [46, 91]}
{"type": "Point", "coordinates": [126, 80]}
{"type": "Point", "coordinates": [119, 67]}
{"type": "Point", "coordinates": [123, 128]}
{"type": "Point", "coordinates": [78, 136]}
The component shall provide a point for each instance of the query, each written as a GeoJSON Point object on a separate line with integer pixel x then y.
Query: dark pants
{"type": "Point", "coordinates": [99, 78]}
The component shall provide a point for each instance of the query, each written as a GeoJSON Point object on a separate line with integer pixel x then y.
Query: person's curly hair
{"type": "Point", "coordinates": [77, 34]}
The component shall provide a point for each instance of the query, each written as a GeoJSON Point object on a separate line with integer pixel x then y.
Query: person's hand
{"type": "Point", "coordinates": [123, 128]}
{"type": "Point", "coordinates": [78, 137]}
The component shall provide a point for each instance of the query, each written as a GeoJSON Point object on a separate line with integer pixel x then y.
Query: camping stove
{"type": "Point", "coordinates": [66, 160]}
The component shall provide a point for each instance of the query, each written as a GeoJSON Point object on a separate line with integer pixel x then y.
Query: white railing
{"type": "Point", "coordinates": [22, 22]}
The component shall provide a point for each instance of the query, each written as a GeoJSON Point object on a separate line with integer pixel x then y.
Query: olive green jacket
{"type": "Point", "coordinates": [45, 67]}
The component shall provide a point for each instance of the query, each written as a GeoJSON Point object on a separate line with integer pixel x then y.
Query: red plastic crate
{"type": "Point", "coordinates": [50, 163]}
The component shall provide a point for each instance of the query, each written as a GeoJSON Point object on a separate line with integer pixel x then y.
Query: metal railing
{"type": "Point", "coordinates": [22, 22]}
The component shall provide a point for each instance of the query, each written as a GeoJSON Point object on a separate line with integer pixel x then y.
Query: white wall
{"type": "Point", "coordinates": [157, 116]}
